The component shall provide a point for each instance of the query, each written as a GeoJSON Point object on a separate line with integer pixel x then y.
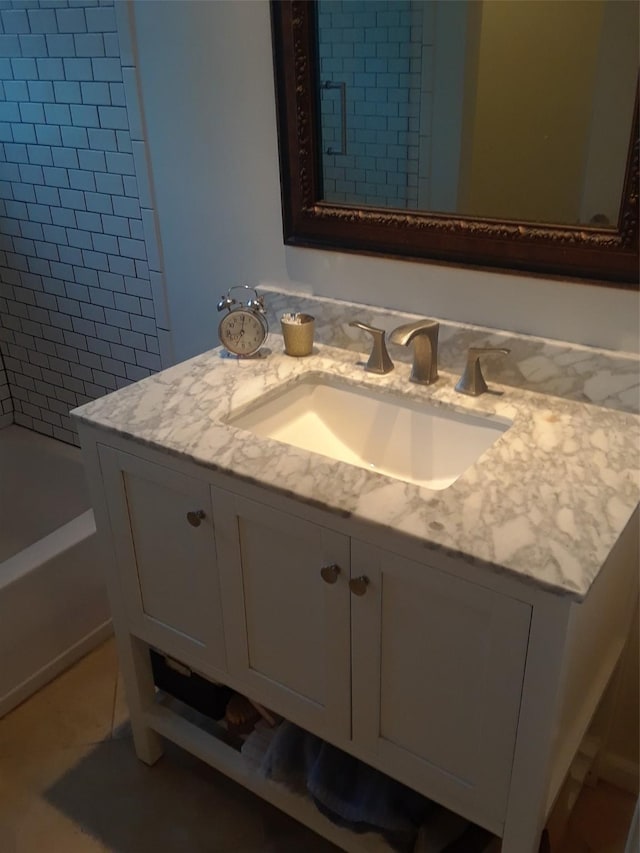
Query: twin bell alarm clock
{"type": "Point", "coordinates": [243, 329]}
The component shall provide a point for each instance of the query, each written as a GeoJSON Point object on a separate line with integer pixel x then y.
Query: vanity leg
{"type": "Point", "coordinates": [135, 666]}
{"type": "Point", "coordinates": [133, 654]}
{"type": "Point", "coordinates": [532, 766]}
{"type": "Point", "coordinates": [605, 716]}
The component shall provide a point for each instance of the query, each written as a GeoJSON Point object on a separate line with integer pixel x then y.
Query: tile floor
{"type": "Point", "coordinates": [600, 821]}
{"type": "Point", "coordinates": [70, 783]}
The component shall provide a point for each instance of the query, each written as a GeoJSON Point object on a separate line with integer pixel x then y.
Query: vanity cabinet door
{"type": "Point", "coordinates": [162, 528]}
{"type": "Point", "coordinates": [438, 666]}
{"type": "Point", "coordinates": [287, 620]}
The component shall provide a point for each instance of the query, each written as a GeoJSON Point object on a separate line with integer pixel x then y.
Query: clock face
{"type": "Point", "coordinates": [242, 332]}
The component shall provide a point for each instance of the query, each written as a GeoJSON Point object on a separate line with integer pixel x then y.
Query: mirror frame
{"type": "Point", "coordinates": [599, 256]}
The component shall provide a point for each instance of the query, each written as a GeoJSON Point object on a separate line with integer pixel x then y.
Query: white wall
{"type": "Point", "coordinates": [207, 92]}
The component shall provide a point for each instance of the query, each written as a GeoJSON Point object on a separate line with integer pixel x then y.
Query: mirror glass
{"type": "Point", "coordinates": [516, 110]}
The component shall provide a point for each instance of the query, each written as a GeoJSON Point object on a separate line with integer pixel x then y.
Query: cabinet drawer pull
{"type": "Point", "coordinates": [195, 517]}
{"type": "Point", "coordinates": [358, 586]}
{"type": "Point", "coordinates": [330, 573]}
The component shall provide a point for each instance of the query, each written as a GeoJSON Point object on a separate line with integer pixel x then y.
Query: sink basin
{"type": "Point", "coordinates": [400, 437]}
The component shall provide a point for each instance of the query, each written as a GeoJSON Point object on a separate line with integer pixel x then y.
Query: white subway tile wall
{"type": "Point", "coordinates": [78, 281]}
{"type": "Point", "coordinates": [377, 48]}
{"type": "Point", "coordinates": [6, 403]}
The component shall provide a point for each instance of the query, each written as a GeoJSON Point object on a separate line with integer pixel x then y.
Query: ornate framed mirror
{"type": "Point", "coordinates": [389, 142]}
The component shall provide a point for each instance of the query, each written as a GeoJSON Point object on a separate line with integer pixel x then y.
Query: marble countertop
{"type": "Point", "coordinates": [545, 503]}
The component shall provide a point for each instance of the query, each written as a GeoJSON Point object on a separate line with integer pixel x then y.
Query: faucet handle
{"type": "Point", "coordinates": [379, 361]}
{"type": "Point", "coordinates": [472, 381]}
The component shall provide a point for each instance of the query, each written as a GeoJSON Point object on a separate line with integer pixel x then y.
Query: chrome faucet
{"type": "Point", "coordinates": [379, 361]}
{"type": "Point", "coordinates": [424, 336]}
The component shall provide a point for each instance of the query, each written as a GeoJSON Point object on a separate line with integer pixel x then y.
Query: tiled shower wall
{"type": "Point", "coordinates": [6, 404]}
{"type": "Point", "coordinates": [376, 48]}
{"type": "Point", "coordinates": [81, 291]}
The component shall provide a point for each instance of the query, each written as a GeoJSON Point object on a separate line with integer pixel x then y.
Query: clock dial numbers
{"type": "Point", "coordinates": [242, 332]}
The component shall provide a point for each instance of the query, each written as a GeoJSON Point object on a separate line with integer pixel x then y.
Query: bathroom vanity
{"type": "Point", "coordinates": [459, 639]}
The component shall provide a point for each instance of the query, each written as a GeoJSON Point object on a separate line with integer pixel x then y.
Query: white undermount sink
{"type": "Point", "coordinates": [400, 437]}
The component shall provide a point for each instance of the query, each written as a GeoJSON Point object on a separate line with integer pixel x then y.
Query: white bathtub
{"type": "Point", "coordinates": [53, 603]}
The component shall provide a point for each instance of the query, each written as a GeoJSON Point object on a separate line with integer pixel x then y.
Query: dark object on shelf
{"type": "Point", "coordinates": [545, 844]}
{"type": "Point", "coordinates": [473, 838]}
{"type": "Point", "coordinates": [177, 680]}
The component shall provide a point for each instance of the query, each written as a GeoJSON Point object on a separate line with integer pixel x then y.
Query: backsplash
{"type": "Point", "coordinates": [585, 374]}
{"type": "Point", "coordinates": [81, 296]}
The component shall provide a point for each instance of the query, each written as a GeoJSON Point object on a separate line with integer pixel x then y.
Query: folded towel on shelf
{"type": "Point", "coordinates": [347, 791]}
{"type": "Point", "coordinates": [354, 795]}
{"type": "Point", "coordinates": [257, 743]}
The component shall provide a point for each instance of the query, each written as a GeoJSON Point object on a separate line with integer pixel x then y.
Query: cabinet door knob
{"type": "Point", "coordinates": [358, 586]}
{"type": "Point", "coordinates": [195, 517]}
{"type": "Point", "coordinates": [330, 573]}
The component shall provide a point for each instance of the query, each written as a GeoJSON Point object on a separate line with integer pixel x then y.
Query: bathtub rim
{"type": "Point", "coordinates": [61, 539]}
{"type": "Point", "coordinates": [23, 567]}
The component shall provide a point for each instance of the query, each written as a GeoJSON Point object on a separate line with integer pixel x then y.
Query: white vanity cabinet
{"type": "Point", "coordinates": [287, 628]}
{"type": "Point", "coordinates": [418, 672]}
{"type": "Point", "coordinates": [472, 688]}
{"type": "Point", "coordinates": [162, 531]}
{"type": "Point", "coordinates": [438, 666]}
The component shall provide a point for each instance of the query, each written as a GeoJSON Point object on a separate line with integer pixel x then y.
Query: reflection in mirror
{"type": "Point", "coordinates": [483, 108]}
{"type": "Point", "coordinates": [466, 150]}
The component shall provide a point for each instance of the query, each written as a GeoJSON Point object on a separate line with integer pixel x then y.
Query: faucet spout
{"type": "Point", "coordinates": [423, 334]}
